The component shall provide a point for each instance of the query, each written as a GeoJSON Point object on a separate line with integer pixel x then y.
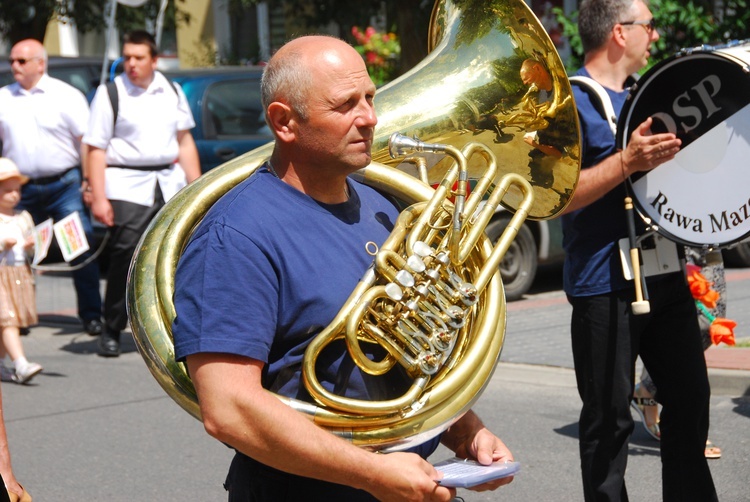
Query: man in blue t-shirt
{"type": "Point", "coordinates": [269, 267]}
{"type": "Point", "coordinates": [606, 335]}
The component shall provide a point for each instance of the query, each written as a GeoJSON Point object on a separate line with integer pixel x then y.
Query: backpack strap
{"type": "Point", "coordinates": [600, 98]}
{"type": "Point", "coordinates": [114, 98]}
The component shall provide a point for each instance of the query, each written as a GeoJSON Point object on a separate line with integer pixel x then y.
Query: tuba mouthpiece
{"type": "Point", "coordinates": [399, 145]}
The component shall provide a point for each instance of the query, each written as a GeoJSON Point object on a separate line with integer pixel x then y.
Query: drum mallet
{"type": "Point", "coordinates": [639, 306]}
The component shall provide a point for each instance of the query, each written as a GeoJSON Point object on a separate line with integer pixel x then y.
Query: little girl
{"type": "Point", "coordinates": [17, 297]}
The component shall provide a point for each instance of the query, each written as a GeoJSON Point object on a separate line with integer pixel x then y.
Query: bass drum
{"type": "Point", "coordinates": [702, 196]}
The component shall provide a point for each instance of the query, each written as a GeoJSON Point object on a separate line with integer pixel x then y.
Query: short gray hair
{"type": "Point", "coordinates": [596, 18]}
{"type": "Point", "coordinates": [286, 78]}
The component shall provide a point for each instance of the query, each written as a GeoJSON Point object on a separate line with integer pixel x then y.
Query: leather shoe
{"type": "Point", "coordinates": [93, 327]}
{"type": "Point", "coordinates": [109, 345]}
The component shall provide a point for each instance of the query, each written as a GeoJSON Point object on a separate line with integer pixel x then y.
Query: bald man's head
{"type": "Point", "coordinates": [290, 73]}
{"type": "Point", "coordinates": [28, 61]}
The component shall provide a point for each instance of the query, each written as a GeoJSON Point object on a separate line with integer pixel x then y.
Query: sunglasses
{"type": "Point", "coordinates": [21, 61]}
{"type": "Point", "coordinates": [649, 25]}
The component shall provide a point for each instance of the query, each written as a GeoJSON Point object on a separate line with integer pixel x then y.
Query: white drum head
{"type": "Point", "coordinates": [702, 197]}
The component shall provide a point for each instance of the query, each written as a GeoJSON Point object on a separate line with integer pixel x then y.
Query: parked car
{"type": "Point", "coordinates": [537, 243]}
{"type": "Point", "coordinates": [82, 73]}
{"type": "Point", "coordinates": [229, 118]}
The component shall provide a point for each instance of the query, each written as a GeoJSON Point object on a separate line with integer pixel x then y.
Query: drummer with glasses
{"type": "Point", "coordinates": [607, 336]}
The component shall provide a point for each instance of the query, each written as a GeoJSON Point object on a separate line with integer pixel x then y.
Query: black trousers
{"type": "Point", "coordinates": [607, 338]}
{"type": "Point", "coordinates": [251, 481]}
{"type": "Point", "coordinates": [130, 221]}
{"type": "Point", "coordinates": [4, 497]}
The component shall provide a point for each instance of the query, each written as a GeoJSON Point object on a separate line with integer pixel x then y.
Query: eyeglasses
{"type": "Point", "coordinates": [21, 61]}
{"type": "Point", "coordinates": [649, 25]}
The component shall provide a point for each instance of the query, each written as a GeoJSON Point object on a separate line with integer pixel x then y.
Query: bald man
{"type": "Point", "coordinates": [270, 265]}
{"type": "Point", "coordinates": [42, 120]}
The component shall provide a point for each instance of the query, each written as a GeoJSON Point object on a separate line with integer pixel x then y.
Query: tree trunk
{"type": "Point", "coordinates": [413, 24]}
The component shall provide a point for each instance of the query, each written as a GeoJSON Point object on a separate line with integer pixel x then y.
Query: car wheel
{"type": "Point", "coordinates": [519, 265]}
{"type": "Point", "coordinates": [738, 255]}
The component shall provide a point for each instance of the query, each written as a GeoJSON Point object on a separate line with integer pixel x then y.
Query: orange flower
{"type": "Point", "coordinates": [700, 288]}
{"type": "Point", "coordinates": [722, 330]}
{"type": "Point", "coordinates": [709, 299]}
{"type": "Point", "coordinates": [697, 282]}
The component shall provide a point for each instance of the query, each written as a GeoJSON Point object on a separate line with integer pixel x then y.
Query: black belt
{"type": "Point", "coordinates": [143, 168]}
{"type": "Point", "coordinates": [46, 180]}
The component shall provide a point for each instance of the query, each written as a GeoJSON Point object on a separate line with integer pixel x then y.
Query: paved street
{"type": "Point", "coordinates": [99, 429]}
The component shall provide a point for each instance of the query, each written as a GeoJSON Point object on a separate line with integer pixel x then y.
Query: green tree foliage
{"type": "Point", "coordinates": [681, 25]}
{"type": "Point", "coordinates": [20, 19]}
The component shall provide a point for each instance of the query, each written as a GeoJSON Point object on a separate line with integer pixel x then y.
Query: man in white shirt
{"type": "Point", "coordinates": [42, 120]}
{"type": "Point", "coordinates": [137, 159]}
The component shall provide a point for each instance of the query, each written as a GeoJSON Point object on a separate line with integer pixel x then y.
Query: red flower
{"type": "Point", "coordinates": [722, 330]}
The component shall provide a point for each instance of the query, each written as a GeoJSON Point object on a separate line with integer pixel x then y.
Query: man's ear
{"type": "Point", "coordinates": [618, 34]}
{"type": "Point", "coordinates": [281, 120]}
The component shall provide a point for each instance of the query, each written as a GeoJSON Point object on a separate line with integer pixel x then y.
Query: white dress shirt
{"type": "Point", "coordinates": [145, 135]}
{"type": "Point", "coordinates": [40, 127]}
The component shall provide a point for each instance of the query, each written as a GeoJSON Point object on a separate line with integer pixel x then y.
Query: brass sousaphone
{"type": "Point", "coordinates": [433, 298]}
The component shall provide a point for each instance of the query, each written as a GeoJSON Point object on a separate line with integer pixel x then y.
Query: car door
{"type": "Point", "coordinates": [232, 121]}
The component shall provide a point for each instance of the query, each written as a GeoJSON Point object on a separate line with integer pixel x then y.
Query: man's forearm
{"type": "Point", "coordinates": [255, 422]}
{"type": "Point", "coordinates": [595, 181]}
{"type": "Point", "coordinates": [464, 429]}
{"type": "Point", "coordinates": [188, 156]}
{"type": "Point", "coordinates": [96, 164]}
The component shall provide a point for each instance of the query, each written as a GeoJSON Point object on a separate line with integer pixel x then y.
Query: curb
{"type": "Point", "coordinates": [729, 382]}
{"type": "Point", "coordinates": [735, 383]}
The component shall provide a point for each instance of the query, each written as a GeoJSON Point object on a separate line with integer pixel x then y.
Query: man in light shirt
{"type": "Point", "coordinates": [137, 158]}
{"type": "Point", "coordinates": [42, 120]}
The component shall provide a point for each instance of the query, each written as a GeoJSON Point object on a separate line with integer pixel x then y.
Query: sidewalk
{"type": "Point", "coordinates": [538, 333]}
{"type": "Point", "coordinates": [729, 370]}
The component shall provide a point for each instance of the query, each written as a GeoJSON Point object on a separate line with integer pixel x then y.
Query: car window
{"type": "Point", "coordinates": [6, 77]}
{"type": "Point", "coordinates": [233, 108]}
{"type": "Point", "coordinates": [80, 78]}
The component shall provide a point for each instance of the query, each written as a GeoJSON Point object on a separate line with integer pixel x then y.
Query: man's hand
{"type": "Point", "coordinates": [469, 438]}
{"type": "Point", "coordinates": [408, 477]}
{"type": "Point", "coordinates": [102, 211]}
{"type": "Point", "coordinates": [645, 151]}
{"type": "Point", "coordinates": [487, 448]}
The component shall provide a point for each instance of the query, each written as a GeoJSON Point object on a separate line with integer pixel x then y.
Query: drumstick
{"type": "Point", "coordinates": [639, 306]}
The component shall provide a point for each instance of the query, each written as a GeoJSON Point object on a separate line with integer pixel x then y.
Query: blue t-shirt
{"type": "Point", "coordinates": [267, 269]}
{"type": "Point", "coordinates": [590, 234]}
